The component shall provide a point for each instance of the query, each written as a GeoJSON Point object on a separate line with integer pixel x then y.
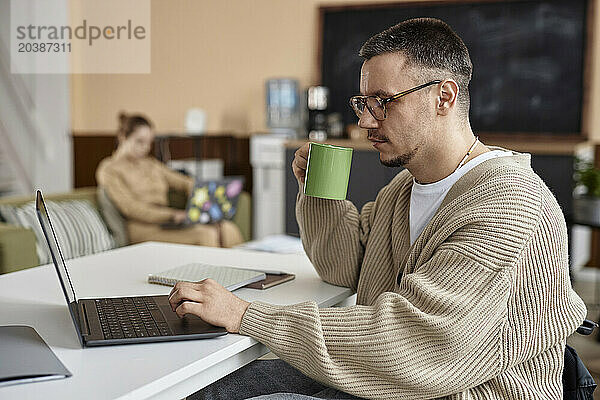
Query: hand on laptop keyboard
{"type": "Point", "coordinates": [209, 301]}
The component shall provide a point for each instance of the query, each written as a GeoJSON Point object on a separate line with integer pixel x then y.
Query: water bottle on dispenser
{"type": "Point", "coordinates": [283, 106]}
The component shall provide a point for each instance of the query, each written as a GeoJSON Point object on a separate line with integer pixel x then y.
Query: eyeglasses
{"type": "Point", "coordinates": [376, 105]}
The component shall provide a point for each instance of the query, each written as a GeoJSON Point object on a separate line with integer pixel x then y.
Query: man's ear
{"type": "Point", "coordinates": [447, 96]}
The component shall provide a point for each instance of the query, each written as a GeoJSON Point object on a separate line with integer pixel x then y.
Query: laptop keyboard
{"type": "Point", "coordinates": [131, 317]}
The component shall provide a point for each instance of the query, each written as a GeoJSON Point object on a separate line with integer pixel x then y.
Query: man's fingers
{"type": "Point", "coordinates": [182, 294]}
{"type": "Point", "coordinates": [301, 163]}
{"type": "Point", "coordinates": [297, 168]}
{"type": "Point", "coordinates": [298, 173]}
{"type": "Point", "coordinates": [301, 158]}
{"type": "Point", "coordinates": [184, 284]}
{"type": "Point", "coordinates": [179, 285]}
{"type": "Point", "coordinates": [189, 307]}
{"type": "Point", "coordinates": [303, 151]}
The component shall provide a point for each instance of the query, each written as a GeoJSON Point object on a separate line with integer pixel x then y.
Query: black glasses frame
{"type": "Point", "coordinates": [355, 100]}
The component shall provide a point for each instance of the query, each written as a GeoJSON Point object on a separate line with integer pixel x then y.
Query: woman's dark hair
{"type": "Point", "coordinates": [129, 123]}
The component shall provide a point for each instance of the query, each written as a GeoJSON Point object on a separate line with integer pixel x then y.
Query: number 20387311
{"type": "Point", "coordinates": [44, 47]}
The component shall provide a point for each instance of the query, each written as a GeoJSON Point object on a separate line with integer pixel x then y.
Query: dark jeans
{"type": "Point", "coordinates": [269, 379]}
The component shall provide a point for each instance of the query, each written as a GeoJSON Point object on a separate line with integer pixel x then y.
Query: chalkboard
{"type": "Point", "coordinates": [528, 59]}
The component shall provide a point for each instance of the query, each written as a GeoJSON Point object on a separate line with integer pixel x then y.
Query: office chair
{"type": "Point", "coordinates": [578, 383]}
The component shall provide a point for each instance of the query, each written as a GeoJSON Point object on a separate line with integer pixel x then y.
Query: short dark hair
{"type": "Point", "coordinates": [429, 44]}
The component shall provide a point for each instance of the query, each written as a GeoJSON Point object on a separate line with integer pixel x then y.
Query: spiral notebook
{"type": "Point", "coordinates": [230, 277]}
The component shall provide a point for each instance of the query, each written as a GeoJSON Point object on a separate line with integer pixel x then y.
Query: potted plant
{"type": "Point", "coordinates": [586, 200]}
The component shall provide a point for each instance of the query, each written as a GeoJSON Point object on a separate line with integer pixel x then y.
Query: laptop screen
{"type": "Point", "coordinates": [59, 261]}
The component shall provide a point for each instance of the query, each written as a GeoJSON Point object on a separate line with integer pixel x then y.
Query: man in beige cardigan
{"type": "Point", "coordinates": [460, 264]}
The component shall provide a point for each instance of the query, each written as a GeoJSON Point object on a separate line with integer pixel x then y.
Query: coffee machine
{"type": "Point", "coordinates": [317, 99]}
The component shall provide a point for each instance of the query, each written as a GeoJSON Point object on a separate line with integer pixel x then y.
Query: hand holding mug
{"type": "Point", "coordinates": [300, 163]}
{"type": "Point", "coordinates": [323, 170]}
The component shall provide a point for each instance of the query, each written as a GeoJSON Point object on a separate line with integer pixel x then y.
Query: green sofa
{"type": "Point", "coordinates": [17, 244]}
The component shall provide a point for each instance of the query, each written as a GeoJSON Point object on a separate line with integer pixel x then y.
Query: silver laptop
{"type": "Point", "coordinates": [122, 320]}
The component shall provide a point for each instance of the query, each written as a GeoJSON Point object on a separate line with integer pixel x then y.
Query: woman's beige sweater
{"type": "Point", "coordinates": [140, 187]}
{"type": "Point", "coordinates": [482, 308]}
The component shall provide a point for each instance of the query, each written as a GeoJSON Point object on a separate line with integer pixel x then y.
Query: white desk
{"type": "Point", "coordinates": [170, 370]}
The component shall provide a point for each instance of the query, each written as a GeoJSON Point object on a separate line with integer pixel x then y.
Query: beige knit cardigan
{"type": "Point", "coordinates": [482, 309]}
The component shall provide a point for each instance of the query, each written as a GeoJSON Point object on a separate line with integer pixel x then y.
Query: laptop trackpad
{"type": "Point", "coordinates": [188, 325]}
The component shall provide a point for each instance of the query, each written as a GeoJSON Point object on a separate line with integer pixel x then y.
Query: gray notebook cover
{"type": "Point", "coordinates": [26, 357]}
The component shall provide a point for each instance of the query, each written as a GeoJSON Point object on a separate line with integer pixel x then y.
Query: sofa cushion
{"type": "Point", "coordinates": [112, 216]}
{"type": "Point", "coordinates": [78, 226]}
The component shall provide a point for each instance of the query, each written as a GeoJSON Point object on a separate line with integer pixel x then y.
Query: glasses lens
{"type": "Point", "coordinates": [376, 108]}
{"type": "Point", "coordinates": [358, 105]}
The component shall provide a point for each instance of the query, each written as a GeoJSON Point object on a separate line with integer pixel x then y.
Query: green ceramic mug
{"type": "Point", "coordinates": [328, 171]}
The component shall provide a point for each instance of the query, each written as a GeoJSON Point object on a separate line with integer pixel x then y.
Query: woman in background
{"type": "Point", "coordinates": [138, 185]}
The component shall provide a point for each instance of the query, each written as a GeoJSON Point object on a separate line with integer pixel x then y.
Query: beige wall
{"type": "Point", "coordinates": [211, 54]}
{"type": "Point", "coordinates": [216, 55]}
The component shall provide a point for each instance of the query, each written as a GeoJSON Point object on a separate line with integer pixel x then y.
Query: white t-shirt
{"type": "Point", "coordinates": [426, 199]}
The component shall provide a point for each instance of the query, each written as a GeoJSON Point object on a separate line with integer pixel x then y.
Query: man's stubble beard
{"type": "Point", "coordinates": [401, 160]}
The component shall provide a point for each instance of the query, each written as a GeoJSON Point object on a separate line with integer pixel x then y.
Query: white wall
{"type": "Point", "coordinates": [35, 117]}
